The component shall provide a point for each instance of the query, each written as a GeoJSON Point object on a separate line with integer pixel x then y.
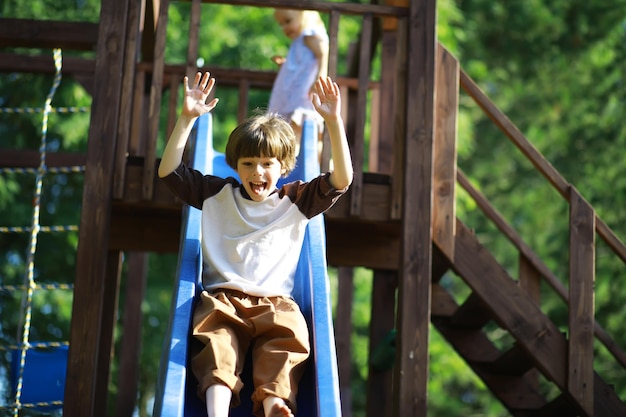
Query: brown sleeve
{"type": "Point", "coordinates": [314, 197]}
{"type": "Point", "coordinates": [193, 187]}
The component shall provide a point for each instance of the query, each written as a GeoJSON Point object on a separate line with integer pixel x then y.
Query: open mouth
{"type": "Point", "coordinates": [258, 187]}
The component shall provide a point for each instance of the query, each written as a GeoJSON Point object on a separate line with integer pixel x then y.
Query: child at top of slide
{"type": "Point", "coordinates": [306, 62]}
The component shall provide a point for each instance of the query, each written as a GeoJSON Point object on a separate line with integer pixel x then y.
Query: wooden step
{"type": "Point", "coordinates": [535, 334]}
{"type": "Point", "coordinates": [515, 391]}
{"type": "Point", "coordinates": [512, 362]}
{"type": "Point", "coordinates": [560, 406]}
{"type": "Point", "coordinates": [472, 314]}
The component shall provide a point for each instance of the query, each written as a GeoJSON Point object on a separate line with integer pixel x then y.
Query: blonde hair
{"type": "Point", "coordinates": [310, 18]}
{"type": "Point", "coordinates": [263, 135]}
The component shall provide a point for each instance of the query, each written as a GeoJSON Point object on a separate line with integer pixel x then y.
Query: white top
{"type": "Point", "coordinates": [290, 92]}
{"type": "Point", "coordinates": [251, 246]}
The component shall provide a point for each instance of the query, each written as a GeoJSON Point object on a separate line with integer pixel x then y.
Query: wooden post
{"type": "Point", "coordinates": [411, 377]}
{"type": "Point", "coordinates": [444, 171]}
{"type": "Point", "coordinates": [130, 351]}
{"type": "Point", "coordinates": [88, 343]}
{"type": "Point", "coordinates": [380, 381]}
{"type": "Point", "coordinates": [580, 373]}
{"type": "Point", "coordinates": [156, 91]}
{"type": "Point", "coordinates": [343, 330]}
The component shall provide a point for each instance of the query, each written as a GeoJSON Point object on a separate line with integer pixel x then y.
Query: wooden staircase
{"type": "Point", "coordinates": [539, 349]}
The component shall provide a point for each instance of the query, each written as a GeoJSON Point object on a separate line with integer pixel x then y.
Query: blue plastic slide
{"type": "Point", "coordinates": [318, 394]}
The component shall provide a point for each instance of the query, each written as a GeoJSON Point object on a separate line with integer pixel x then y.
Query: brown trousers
{"type": "Point", "coordinates": [228, 323]}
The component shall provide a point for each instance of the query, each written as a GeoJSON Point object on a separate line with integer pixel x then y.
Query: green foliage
{"type": "Point", "coordinates": [555, 68]}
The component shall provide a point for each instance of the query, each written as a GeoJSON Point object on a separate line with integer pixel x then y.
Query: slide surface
{"type": "Point", "coordinates": [318, 394]}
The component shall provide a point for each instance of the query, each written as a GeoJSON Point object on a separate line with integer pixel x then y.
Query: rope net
{"type": "Point", "coordinates": [22, 350]}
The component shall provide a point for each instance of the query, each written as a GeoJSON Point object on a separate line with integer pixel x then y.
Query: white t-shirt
{"type": "Point", "coordinates": [247, 245]}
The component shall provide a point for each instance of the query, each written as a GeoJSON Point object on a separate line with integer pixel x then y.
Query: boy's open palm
{"type": "Point", "coordinates": [194, 104]}
{"type": "Point", "coordinates": [327, 98]}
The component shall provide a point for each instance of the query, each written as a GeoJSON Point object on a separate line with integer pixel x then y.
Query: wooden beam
{"type": "Point", "coordinates": [370, 245]}
{"type": "Point", "coordinates": [581, 301]}
{"type": "Point", "coordinates": [411, 376]}
{"type": "Point", "coordinates": [31, 33]}
{"type": "Point", "coordinates": [91, 289]}
{"type": "Point", "coordinates": [343, 331]}
{"type": "Point", "coordinates": [126, 103]}
{"type": "Point", "coordinates": [379, 381]}
{"type": "Point", "coordinates": [44, 64]}
{"type": "Point", "coordinates": [133, 322]}
{"type": "Point", "coordinates": [154, 112]}
{"type": "Point", "coordinates": [358, 142]}
{"type": "Point", "coordinates": [11, 158]}
{"type": "Point", "coordinates": [444, 171]}
{"type": "Point", "coordinates": [149, 229]}
{"type": "Point", "coordinates": [387, 109]}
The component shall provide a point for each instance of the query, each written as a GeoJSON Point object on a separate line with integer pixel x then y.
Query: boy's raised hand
{"type": "Point", "coordinates": [327, 98]}
{"type": "Point", "coordinates": [194, 103]}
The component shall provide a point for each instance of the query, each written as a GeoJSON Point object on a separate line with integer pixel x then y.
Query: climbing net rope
{"type": "Point", "coordinates": [30, 284]}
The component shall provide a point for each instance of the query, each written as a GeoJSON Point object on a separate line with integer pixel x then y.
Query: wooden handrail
{"type": "Point", "coordinates": [344, 8]}
{"type": "Point", "coordinates": [554, 282]}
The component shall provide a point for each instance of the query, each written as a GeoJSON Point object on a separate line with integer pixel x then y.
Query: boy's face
{"type": "Point", "coordinates": [290, 22]}
{"type": "Point", "coordinates": [259, 175]}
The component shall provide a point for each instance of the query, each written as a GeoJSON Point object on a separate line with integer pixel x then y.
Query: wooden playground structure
{"type": "Point", "coordinates": [399, 219]}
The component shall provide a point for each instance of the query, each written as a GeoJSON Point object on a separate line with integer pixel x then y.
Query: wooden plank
{"type": "Point", "coordinates": [161, 196]}
{"type": "Point", "coordinates": [400, 120]}
{"type": "Point", "coordinates": [155, 100]}
{"type": "Point", "coordinates": [343, 340]}
{"type": "Point", "coordinates": [126, 102]}
{"type": "Point", "coordinates": [371, 245]}
{"type": "Point", "coordinates": [31, 33]}
{"type": "Point", "coordinates": [443, 305]}
{"type": "Point", "coordinates": [358, 142]}
{"type": "Point", "coordinates": [411, 376]}
{"type": "Point", "coordinates": [581, 301]}
{"type": "Point", "coordinates": [374, 130]}
{"type": "Point", "coordinates": [149, 229]}
{"type": "Point", "coordinates": [386, 111]}
{"type": "Point", "coordinates": [322, 6]}
{"type": "Point", "coordinates": [138, 120]}
{"type": "Point", "coordinates": [376, 199]}
{"type": "Point", "coordinates": [87, 343]}
{"type": "Point", "coordinates": [530, 281]}
{"type": "Point", "coordinates": [444, 171]}
{"type": "Point", "coordinates": [333, 32]}
{"type": "Point", "coordinates": [472, 314]}
{"type": "Point", "coordinates": [194, 39]}
{"type": "Point", "coordinates": [379, 382]}
{"type": "Point", "coordinates": [511, 306]}
{"type": "Point", "coordinates": [44, 64]}
{"type": "Point", "coordinates": [107, 330]}
{"type": "Point", "coordinates": [172, 111]}
{"type": "Point", "coordinates": [11, 158]}
{"type": "Point", "coordinates": [133, 322]}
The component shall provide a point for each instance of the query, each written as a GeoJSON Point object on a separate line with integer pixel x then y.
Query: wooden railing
{"type": "Point", "coordinates": [140, 112]}
{"type": "Point", "coordinates": [583, 225]}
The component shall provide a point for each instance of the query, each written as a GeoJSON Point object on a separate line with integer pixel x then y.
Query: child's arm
{"type": "Point", "coordinates": [327, 102]}
{"type": "Point", "coordinates": [194, 105]}
{"type": "Point", "coordinates": [319, 46]}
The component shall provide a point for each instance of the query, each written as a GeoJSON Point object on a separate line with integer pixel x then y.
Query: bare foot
{"type": "Point", "coordinates": [280, 410]}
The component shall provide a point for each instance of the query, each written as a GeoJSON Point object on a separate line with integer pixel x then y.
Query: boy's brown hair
{"type": "Point", "coordinates": [263, 134]}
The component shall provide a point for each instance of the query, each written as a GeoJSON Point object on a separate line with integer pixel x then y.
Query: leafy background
{"type": "Point", "coordinates": [555, 68]}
